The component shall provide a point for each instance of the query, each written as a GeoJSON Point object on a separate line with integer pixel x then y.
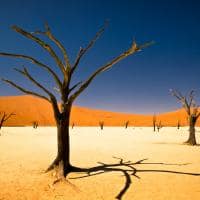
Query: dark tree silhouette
{"type": "Point", "coordinates": [154, 122]}
{"type": "Point", "coordinates": [73, 124]}
{"type": "Point", "coordinates": [35, 124]}
{"type": "Point", "coordinates": [101, 124]}
{"type": "Point", "coordinates": [67, 91]}
{"type": "Point", "coordinates": [159, 126]}
{"type": "Point", "coordinates": [126, 124]}
{"type": "Point", "coordinates": [128, 169]}
{"type": "Point", "coordinates": [4, 117]}
{"type": "Point", "coordinates": [178, 124]}
{"type": "Point", "coordinates": [192, 111]}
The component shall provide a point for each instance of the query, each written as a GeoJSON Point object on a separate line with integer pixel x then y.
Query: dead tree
{"type": "Point", "coordinates": [101, 124]}
{"type": "Point", "coordinates": [35, 124]}
{"type": "Point", "coordinates": [126, 124]}
{"type": "Point", "coordinates": [73, 125]}
{"type": "Point", "coordinates": [154, 123]}
{"type": "Point", "coordinates": [192, 111]}
{"type": "Point", "coordinates": [159, 126]}
{"type": "Point", "coordinates": [4, 117]}
{"type": "Point", "coordinates": [178, 124]}
{"type": "Point", "coordinates": [67, 91]}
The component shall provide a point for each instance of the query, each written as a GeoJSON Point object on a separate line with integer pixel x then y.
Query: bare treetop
{"type": "Point", "coordinates": [187, 101]}
{"type": "Point", "coordinates": [66, 68]}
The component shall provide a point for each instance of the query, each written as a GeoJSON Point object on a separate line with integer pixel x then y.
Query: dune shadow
{"type": "Point", "coordinates": [128, 170]}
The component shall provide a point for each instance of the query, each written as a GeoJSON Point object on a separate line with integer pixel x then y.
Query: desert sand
{"type": "Point", "coordinates": [29, 109]}
{"type": "Point", "coordinates": [27, 152]}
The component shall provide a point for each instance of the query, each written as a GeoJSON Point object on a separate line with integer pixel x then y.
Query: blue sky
{"type": "Point", "coordinates": [139, 84]}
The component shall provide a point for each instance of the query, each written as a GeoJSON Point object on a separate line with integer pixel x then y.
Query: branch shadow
{"type": "Point", "coordinates": [128, 170]}
{"type": "Point", "coordinates": [173, 143]}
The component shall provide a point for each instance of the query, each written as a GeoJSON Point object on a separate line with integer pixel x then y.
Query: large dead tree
{"type": "Point", "coordinates": [192, 111]}
{"type": "Point", "coordinates": [67, 91]}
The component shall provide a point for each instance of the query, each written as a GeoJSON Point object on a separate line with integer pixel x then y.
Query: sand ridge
{"type": "Point", "coordinates": [29, 109]}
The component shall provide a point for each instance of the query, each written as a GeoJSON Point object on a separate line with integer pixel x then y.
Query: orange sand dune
{"type": "Point", "coordinates": [29, 109]}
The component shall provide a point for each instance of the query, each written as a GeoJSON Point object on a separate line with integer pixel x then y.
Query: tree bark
{"type": "Point", "coordinates": [63, 143]}
{"type": "Point", "coordinates": [192, 139]}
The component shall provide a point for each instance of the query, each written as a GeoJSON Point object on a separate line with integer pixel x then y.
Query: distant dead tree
{"type": "Point", "coordinates": [126, 124]}
{"type": "Point", "coordinates": [73, 124]}
{"type": "Point", "coordinates": [159, 126]}
{"type": "Point", "coordinates": [35, 124]}
{"type": "Point", "coordinates": [4, 117]}
{"type": "Point", "coordinates": [67, 91]}
{"type": "Point", "coordinates": [101, 124]}
{"type": "Point", "coordinates": [178, 124]}
{"type": "Point", "coordinates": [154, 122]}
{"type": "Point", "coordinates": [192, 111]}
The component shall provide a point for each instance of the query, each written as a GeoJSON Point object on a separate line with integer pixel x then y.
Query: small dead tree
{"type": "Point", "coordinates": [101, 124]}
{"type": "Point", "coordinates": [192, 111]}
{"type": "Point", "coordinates": [126, 124]}
{"type": "Point", "coordinates": [35, 124]}
{"type": "Point", "coordinates": [4, 117]}
{"type": "Point", "coordinates": [67, 91]}
{"type": "Point", "coordinates": [178, 124]}
{"type": "Point", "coordinates": [73, 124]}
{"type": "Point", "coordinates": [154, 123]}
{"type": "Point", "coordinates": [159, 126]}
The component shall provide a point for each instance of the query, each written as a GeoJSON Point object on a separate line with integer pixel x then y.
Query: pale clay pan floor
{"type": "Point", "coordinates": [26, 153]}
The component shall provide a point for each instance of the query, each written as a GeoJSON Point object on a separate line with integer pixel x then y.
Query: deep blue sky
{"type": "Point", "coordinates": [139, 84]}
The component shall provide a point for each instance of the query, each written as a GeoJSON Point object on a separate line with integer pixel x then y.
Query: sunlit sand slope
{"type": "Point", "coordinates": [29, 109]}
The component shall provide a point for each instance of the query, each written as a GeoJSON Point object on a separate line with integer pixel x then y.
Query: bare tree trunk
{"type": "Point", "coordinates": [63, 144]}
{"type": "Point", "coordinates": [178, 124]}
{"type": "Point", "coordinates": [101, 124]}
{"type": "Point", "coordinates": [154, 123]}
{"type": "Point", "coordinates": [192, 139]}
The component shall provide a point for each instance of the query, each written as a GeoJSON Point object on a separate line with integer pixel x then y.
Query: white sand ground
{"type": "Point", "coordinates": [26, 152]}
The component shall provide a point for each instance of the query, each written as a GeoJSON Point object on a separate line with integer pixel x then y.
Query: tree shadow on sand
{"type": "Point", "coordinates": [177, 143]}
{"type": "Point", "coordinates": [126, 168]}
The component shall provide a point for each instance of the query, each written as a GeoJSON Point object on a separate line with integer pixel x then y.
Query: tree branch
{"type": "Point", "coordinates": [82, 51]}
{"type": "Point", "coordinates": [187, 101]}
{"type": "Point", "coordinates": [75, 86]}
{"type": "Point", "coordinates": [33, 60]}
{"type": "Point", "coordinates": [27, 75]}
{"type": "Point", "coordinates": [25, 90]}
{"type": "Point", "coordinates": [49, 34]}
{"type": "Point", "coordinates": [44, 45]}
{"type": "Point", "coordinates": [52, 97]}
{"type": "Point", "coordinates": [197, 116]}
{"type": "Point", "coordinates": [8, 116]}
{"type": "Point", "coordinates": [133, 49]}
{"type": "Point", "coordinates": [177, 94]}
{"type": "Point", "coordinates": [191, 97]}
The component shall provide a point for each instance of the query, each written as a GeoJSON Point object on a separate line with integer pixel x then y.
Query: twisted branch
{"type": "Point", "coordinates": [83, 51]}
{"type": "Point", "coordinates": [25, 90]}
{"type": "Point", "coordinates": [187, 102]}
{"type": "Point", "coordinates": [133, 49]}
{"type": "Point", "coordinates": [38, 63]}
{"type": "Point", "coordinates": [44, 45]}
{"type": "Point", "coordinates": [49, 34]}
